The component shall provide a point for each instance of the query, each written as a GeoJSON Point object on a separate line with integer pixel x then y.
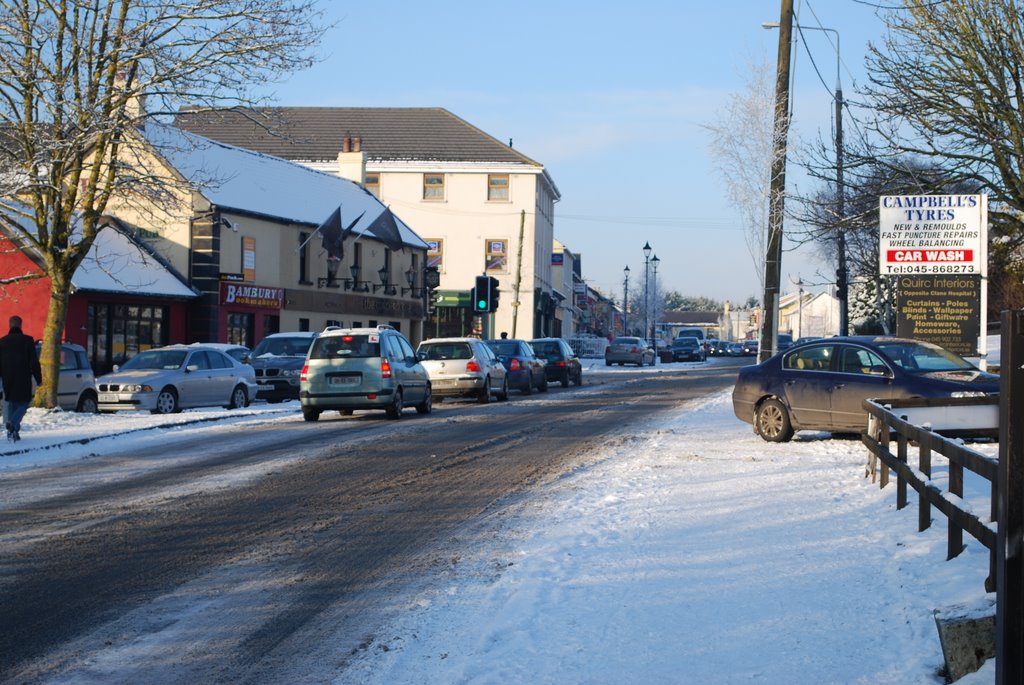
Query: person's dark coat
{"type": "Point", "coordinates": [18, 366]}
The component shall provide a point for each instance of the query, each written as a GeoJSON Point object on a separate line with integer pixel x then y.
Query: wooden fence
{"type": "Point", "coordinates": [888, 420]}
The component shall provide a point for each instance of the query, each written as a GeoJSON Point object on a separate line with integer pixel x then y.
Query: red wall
{"type": "Point", "coordinates": [28, 299]}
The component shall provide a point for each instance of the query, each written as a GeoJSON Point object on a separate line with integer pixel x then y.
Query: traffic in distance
{"type": "Point", "coordinates": [813, 384]}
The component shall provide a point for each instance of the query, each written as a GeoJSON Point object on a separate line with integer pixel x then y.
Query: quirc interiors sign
{"type": "Point", "coordinates": [931, 234]}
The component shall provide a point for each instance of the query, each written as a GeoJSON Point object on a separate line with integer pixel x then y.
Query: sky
{"type": "Point", "coordinates": [685, 550]}
{"type": "Point", "coordinates": [613, 101]}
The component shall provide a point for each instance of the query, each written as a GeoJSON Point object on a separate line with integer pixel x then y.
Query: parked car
{"type": "Point", "coordinates": [526, 371]}
{"type": "Point", "coordinates": [76, 385]}
{"type": "Point", "coordinates": [750, 347]}
{"type": "Point", "coordinates": [561, 363]}
{"type": "Point", "coordinates": [463, 367]}
{"type": "Point", "coordinates": [278, 360]}
{"type": "Point", "coordinates": [165, 380]}
{"type": "Point", "coordinates": [629, 350]}
{"type": "Point", "coordinates": [688, 350]}
{"type": "Point", "coordinates": [363, 368]}
{"type": "Point", "coordinates": [821, 385]}
{"type": "Point", "coordinates": [735, 349]}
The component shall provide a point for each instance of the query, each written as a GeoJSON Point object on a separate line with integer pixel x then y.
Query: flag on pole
{"type": "Point", "coordinates": [386, 229]}
{"type": "Point", "coordinates": [333, 235]}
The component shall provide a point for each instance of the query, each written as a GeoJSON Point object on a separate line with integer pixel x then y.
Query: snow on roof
{"type": "Point", "coordinates": [116, 263]}
{"type": "Point", "coordinates": [247, 181]}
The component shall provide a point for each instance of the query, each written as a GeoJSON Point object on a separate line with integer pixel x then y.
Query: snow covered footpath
{"type": "Point", "coordinates": [692, 552]}
{"type": "Point", "coordinates": [687, 551]}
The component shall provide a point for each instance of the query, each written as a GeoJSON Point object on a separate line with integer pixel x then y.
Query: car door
{"type": "Point", "coordinates": [404, 363]}
{"type": "Point", "coordinates": [860, 374]}
{"type": "Point", "coordinates": [222, 377]}
{"type": "Point", "coordinates": [496, 369]}
{"type": "Point", "coordinates": [194, 387]}
{"type": "Point", "coordinates": [806, 380]}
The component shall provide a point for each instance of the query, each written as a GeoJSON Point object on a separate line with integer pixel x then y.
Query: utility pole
{"type": "Point", "coordinates": [519, 273]}
{"type": "Point", "coordinates": [773, 259]}
{"type": "Point", "coordinates": [842, 280]}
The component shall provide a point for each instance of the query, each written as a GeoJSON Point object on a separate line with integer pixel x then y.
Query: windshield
{"type": "Point", "coordinates": [345, 346]}
{"type": "Point", "coordinates": [156, 359]}
{"type": "Point", "coordinates": [445, 350]}
{"type": "Point", "coordinates": [922, 357]}
{"type": "Point", "coordinates": [504, 349]}
{"type": "Point", "coordinates": [550, 350]}
{"type": "Point", "coordinates": [283, 346]}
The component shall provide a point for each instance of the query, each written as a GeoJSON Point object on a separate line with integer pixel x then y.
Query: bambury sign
{"type": "Point", "coordinates": [932, 234]}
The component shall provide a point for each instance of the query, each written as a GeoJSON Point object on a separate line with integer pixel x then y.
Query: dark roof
{"type": "Point", "coordinates": [690, 318]}
{"type": "Point", "coordinates": [317, 134]}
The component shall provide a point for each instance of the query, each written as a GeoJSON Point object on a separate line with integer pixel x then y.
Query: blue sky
{"type": "Point", "coordinates": [613, 101]}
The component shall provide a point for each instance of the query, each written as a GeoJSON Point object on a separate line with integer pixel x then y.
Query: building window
{"type": "Point", "coordinates": [240, 329]}
{"type": "Point", "coordinates": [496, 258]}
{"type": "Point", "coordinates": [435, 254]}
{"type": "Point", "coordinates": [372, 183]}
{"type": "Point", "coordinates": [332, 322]}
{"type": "Point", "coordinates": [433, 187]}
{"type": "Point", "coordinates": [304, 258]}
{"type": "Point", "coordinates": [303, 325]}
{"type": "Point", "coordinates": [497, 187]}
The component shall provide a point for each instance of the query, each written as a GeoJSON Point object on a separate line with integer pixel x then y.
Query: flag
{"type": "Point", "coordinates": [333, 235]}
{"type": "Point", "coordinates": [330, 234]}
{"type": "Point", "coordinates": [385, 228]}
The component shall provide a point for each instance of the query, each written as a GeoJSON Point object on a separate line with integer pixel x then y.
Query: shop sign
{"type": "Point", "coordinates": [945, 310]}
{"type": "Point", "coordinates": [251, 296]}
{"type": "Point", "coordinates": [932, 234]}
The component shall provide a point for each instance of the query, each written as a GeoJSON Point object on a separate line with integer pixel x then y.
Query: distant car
{"type": "Point", "coordinates": [278, 361]}
{"type": "Point", "coordinates": [165, 380]}
{"type": "Point", "coordinates": [76, 385]}
{"type": "Point", "coordinates": [735, 349]}
{"type": "Point", "coordinates": [750, 347]}
{"type": "Point", "coordinates": [821, 385]}
{"type": "Point", "coordinates": [525, 369]}
{"type": "Point", "coordinates": [238, 352]}
{"type": "Point", "coordinates": [463, 367]}
{"type": "Point", "coordinates": [363, 368]}
{"type": "Point", "coordinates": [719, 348]}
{"type": "Point", "coordinates": [688, 350]}
{"type": "Point", "coordinates": [628, 349]}
{"type": "Point", "coordinates": [562, 364]}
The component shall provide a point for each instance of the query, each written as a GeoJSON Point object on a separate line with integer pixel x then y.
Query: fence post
{"type": "Point", "coordinates": [955, 534]}
{"type": "Point", "coordinates": [924, 507]}
{"type": "Point", "coordinates": [1009, 544]}
{"type": "Point", "coordinates": [901, 482]}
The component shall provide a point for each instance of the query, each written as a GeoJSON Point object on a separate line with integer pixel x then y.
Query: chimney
{"type": "Point", "coordinates": [352, 160]}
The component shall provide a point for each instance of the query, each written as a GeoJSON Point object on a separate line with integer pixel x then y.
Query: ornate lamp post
{"type": "Point", "coordinates": [647, 299]}
{"type": "Point", "coordinates": [625, 302]}
{"type": "Point", "coordinates": [654, 300]}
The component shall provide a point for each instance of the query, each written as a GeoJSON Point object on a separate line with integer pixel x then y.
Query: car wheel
{"type": "Point", "coordinates": [566, 380]}
{"type": "Point", "coordinates": [239, 398]}
{"type": "Point", "coordinates": [166, 402]}
{"type": "Point", "coordinates": [484, 394]}
{"type": "Point", "coordinates": [427, 405]}
{"type": "Point", "coordinates": [504, 390]}
{"type": "Point", "coordinates": [87, 404]}
{"type": "Point", "coordinates": [395, 410]}
{"type": "Point", "coordinates": [346, 412]}
{"type": "Point", "coordinates": [310, 414]}
{"type": "Point", "coordinates": [771, 421]}
{"type": "Point", "coordinates": [543, 383]}
{"type": "Point", "coordinates": [579, 377]}
{"type": "Point", "coordinates": [607, 362]}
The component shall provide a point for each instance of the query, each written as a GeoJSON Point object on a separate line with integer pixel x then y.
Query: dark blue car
{"type": "Point", "coordinates": [821, 385]}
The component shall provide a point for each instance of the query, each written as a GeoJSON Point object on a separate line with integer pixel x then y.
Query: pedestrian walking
{"type": "Point", "coordinates": [19, 364]}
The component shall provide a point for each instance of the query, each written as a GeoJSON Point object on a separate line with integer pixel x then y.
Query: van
{"type": "Point", "coordinates": [697, 333]}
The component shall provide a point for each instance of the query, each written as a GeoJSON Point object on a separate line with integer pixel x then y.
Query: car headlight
{"type": "Point", "coordinates": [967, 393]}
{"type": "Point", "coordinates": [137, 388]}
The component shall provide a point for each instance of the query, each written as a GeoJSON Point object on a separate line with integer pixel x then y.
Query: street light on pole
{"type": "Point", "coordinates": [625, 302]}
{"type": "Point", "coordinates": [654, 319]}
{"type": "Point", "coordinates": [647, 299]}
{"type": "Point", "coordinates": [842, 277]}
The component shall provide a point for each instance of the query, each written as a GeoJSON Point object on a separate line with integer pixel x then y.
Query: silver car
{"type": "Point", "coordinates": [76, 384]}
{"type": "Point", "coordinates": [165, 380]}
{"type": "Point", "coordinates": [463, 367]}
{"type": "Point", "coordinates": [628, 349]}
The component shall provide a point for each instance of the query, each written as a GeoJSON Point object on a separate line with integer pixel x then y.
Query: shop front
{"type": "Point", "coordinates": [248, 313]}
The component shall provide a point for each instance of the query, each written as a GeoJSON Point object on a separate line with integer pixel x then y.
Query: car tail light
{"type": "Point", "coordinates": [471, 365]}
{"type": "Point", "coordinates": [561, 363]}
{"type": "Point", "coordinates": [385, 368]}
{"type": "Point", "coordinates": [305, 370]}
{"type": "Point", "coordinates": [513, 365]}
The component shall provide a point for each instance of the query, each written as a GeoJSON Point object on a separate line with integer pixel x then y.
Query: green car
{"type": "Point", "coordinates": [362, 368]}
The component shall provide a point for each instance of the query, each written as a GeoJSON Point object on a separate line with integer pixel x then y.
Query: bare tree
{"type": "Point", "coordinates": [947, 87]}
{"type": "Point", "coordinates": [742, 145]}
{"type": "Point", "coordinates": [73, 75]}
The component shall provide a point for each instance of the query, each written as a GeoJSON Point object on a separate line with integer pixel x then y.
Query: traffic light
{"type": "Point", "coordinates": [482, 294]}
{"type": "Point", "coordinates": [485, 294]}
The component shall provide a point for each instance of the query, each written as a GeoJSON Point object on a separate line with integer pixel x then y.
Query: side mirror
{"type": "Point", "coordinates": [192, 367]}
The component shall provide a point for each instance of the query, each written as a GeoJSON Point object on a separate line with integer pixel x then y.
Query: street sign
{"type": "Point", "coordinates": [932, 234]}
{"type": "Point", "coordinates": [453, 298]}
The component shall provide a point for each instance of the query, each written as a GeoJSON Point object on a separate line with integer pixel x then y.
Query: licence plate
{"type": "Point", "coordinates": [264, 386]}
{"type": "Point", "coordinates": [107, 398]}
{"type": "Point", "coordinates": [343, 380]}
{"type": "Point", "coordinates": [443, 384]}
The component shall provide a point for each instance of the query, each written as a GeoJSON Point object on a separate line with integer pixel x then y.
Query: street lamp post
{"type": "Point", "coordinates": [842, 276]}
{"type": "Point", "coordinates": [654, 300]}
{"type": "Point", "coordinates": [625, 302]}
{"type": "Point", "coordinates": [647, 299]}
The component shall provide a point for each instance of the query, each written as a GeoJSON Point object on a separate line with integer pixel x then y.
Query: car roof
{"type": "Point", "coordinates": [451, 340]}
{"type": "Point", "coordinates": [356, 331]}
{"type": "Point", "coordinates": [293, 334]}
